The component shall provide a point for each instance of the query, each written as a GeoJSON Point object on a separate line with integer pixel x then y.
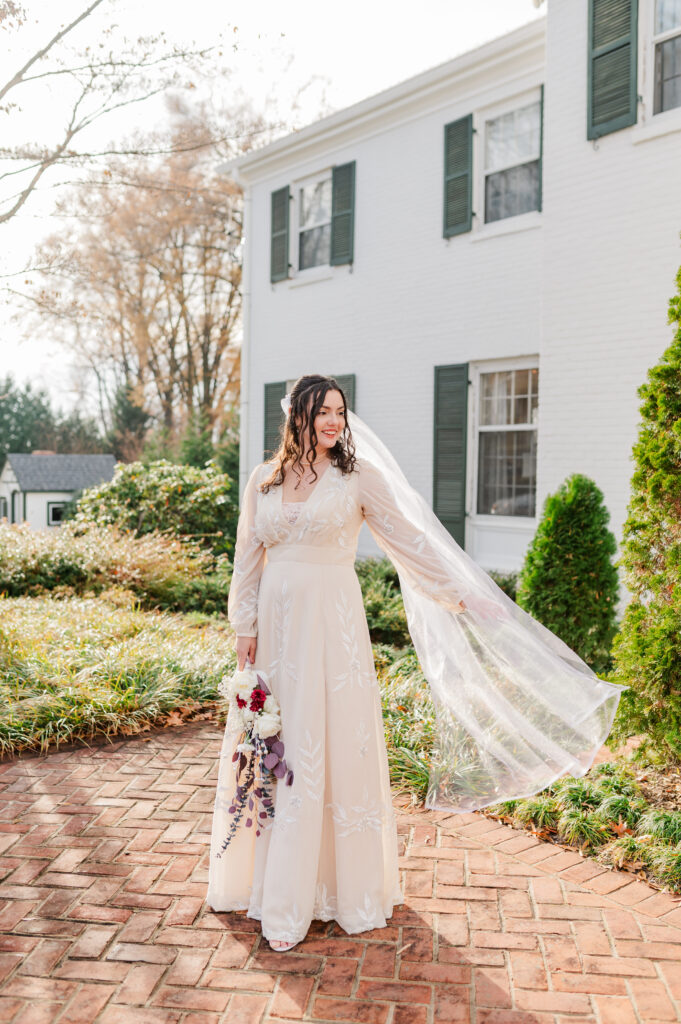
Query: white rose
{"type": "Point", "coordinates": [271, 706]}
{"type": "Point", "coordinates": [245, 746]}
{"type": "Point", "coordinates": [266, 725]}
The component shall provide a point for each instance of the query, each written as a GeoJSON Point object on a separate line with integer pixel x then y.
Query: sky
{"type": "Point", "coordinates": [271, 51]}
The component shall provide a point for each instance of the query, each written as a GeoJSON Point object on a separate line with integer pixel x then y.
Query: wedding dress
{"type": "Point", "coordinates": [515, 707]}
{"type": "Point", "coordinates": [330, 851]}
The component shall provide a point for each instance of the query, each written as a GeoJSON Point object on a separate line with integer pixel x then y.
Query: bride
{"type": "Point", "coordinates": [515, 707]}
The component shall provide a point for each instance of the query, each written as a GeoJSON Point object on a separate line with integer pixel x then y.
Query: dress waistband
{"type": "Point", "coordinates": [323, 554]}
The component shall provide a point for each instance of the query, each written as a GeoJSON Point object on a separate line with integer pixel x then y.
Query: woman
{"type": "Point", "coordinates": [515, 707]}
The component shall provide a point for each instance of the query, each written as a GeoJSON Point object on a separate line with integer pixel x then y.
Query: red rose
{"type": "Point", "coordinates": [240, 701]}
{"type": "Point", "coordinates": [258, 698]}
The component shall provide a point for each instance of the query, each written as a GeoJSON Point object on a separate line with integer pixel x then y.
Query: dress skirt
{"type": "Point", "coordinates": [330, 851]}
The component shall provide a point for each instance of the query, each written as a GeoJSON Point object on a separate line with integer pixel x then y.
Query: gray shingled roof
{"type": "Point", "coordinates": [61, 472]}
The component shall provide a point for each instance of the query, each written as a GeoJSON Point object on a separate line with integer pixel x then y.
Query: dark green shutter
{"type": "Point", "coordinates": [613, 55]}
{"type": "Point", "coordinates": [458, 212]}
{"type": "Point", "coordinates": [279, 243]}
{"type": "Point", "coordinates": [343, 214]}
{"type": "Point", "coordinates": [274, 416]}
{"type": "Point", "coordinates": [449, 448]}
{"type": "Point", "coordinates": [540, 195]}
{"type": "Point", "coordinates": [347, 382]}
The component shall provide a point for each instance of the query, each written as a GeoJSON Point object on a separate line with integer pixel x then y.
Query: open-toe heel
{"type": "Point", "coordinates": [282, 949]}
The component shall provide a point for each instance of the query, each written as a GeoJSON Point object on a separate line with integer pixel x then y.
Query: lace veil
{"type": "Point", "coordinates": [514, 706]}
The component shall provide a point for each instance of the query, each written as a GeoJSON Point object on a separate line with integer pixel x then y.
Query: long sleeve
{"type": "Point", "coordinates": [249, 558]}
{"type": "Point", "coordinates": [408, 547]}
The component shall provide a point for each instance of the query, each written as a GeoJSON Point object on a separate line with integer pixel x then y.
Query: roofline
{"type": "Point", "coordinates": [417, 89]}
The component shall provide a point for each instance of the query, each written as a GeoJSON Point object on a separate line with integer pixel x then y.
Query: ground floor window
{"type": "Point", "coordinates": [55, 512]}
{"type": "Point", "coordinates": [506, 441]}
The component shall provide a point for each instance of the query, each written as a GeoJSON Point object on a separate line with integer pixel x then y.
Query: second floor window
{"type": "Point", "coordinates": [314, 223]}
{"type": "Point", "coordinates": [667, 42]}
{"type": "Point", "coordinates": [513, 162]}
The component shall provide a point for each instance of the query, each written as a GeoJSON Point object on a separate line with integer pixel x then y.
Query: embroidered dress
{"type": "Point", "coordinates": [330, 851]}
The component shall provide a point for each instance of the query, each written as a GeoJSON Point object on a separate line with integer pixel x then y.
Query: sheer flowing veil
{"type": "Point", "coordinates": [515, 707]}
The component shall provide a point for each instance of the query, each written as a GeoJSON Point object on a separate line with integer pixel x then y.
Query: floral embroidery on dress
{"type": "Point", "coordinates": [363, 817]}
{"type": "Point", "coordinates": [348, 634]}
{"type": "Point", "coordinates": [311, 767]}
{"type": "Point", "coordinates": [292, 509]}
{"type": "Point", "coordinates": [363, 737]}
{"type": "Point", "coordinates": [325, 906]}
{"type": "Point", "coordinates": [279, 666]}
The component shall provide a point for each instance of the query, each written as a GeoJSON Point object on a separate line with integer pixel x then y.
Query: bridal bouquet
{"type": "Point", "coordinates": [259, 754]}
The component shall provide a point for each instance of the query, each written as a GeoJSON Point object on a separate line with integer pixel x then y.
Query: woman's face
{"type": "Point", "coordinates": [329, 422]}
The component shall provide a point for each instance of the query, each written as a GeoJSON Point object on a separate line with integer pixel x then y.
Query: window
{"type": "Point", "coordinates": [55, 512]}
{"type": "Point", "coordinates": [3, 508]}
{"type": "Point", "coordinates": [507, 442]}
{"type": "Point", "coordinates": [513, 162]}
{"type": "Point", "coordinates": [667, 42]}
{"type": "Point", "coordinates": [314, 223]}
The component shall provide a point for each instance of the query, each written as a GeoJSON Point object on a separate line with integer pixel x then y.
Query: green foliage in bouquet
{"type": "Point", "coordinates": [647, 650]}
{"type": "Point", "coordinates": [568, 580]}
{"type": "Point", "coordinates": [165, 497]}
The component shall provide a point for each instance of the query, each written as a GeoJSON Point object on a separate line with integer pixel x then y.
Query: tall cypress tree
{"type": "Point", "coordinates": [647, 649]}
{"type": "Point", "coordinates": [568, 580]}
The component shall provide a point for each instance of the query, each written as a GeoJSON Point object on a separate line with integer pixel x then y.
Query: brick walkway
{"type": "Point", "coordinates": [102, 918]}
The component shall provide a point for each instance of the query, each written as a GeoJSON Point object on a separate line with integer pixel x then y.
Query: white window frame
{"type": "Point", "coordinates": [521, 221]}
{"type": "Point", "coordinates": [51, 505]}
{"type": "Point", "coordinates": [476, 370]}
{"type": "Point", "coordinates": [655, 39]}
{"type": "Point", "coordinates": [323, 270]}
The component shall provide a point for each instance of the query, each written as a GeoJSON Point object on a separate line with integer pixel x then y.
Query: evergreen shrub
{"type": "Point", "coordinates": [165, 497]}
{"type": "Point", "coordinates": [568, 580]}
{"type": "Point", "coordinates": [647, 649]}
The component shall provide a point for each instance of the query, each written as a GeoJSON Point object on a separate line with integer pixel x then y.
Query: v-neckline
{"type": "Point", "coordinates": [311, 493]}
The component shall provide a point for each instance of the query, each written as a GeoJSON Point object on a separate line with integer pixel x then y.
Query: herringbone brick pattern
{"type": "Point", "coordinates": [104, 868]}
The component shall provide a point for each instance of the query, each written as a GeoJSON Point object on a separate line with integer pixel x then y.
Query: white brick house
{"type": "Point", "coordinates": [483, 254]}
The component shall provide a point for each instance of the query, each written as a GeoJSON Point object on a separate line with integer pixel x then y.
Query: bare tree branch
{"type": "Point", "coordinates": [17, 78]}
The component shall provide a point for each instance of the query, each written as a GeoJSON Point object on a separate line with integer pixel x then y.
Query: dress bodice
{"type": "Point", "coordinates": [292, 510]}
{"type": "Point", "coordinates": [325, 528]}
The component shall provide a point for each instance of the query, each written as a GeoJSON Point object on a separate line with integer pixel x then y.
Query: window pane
{"type": "Point", "coordinates": [667, 15]}
{"type": "Point", "coordinates": [507, 463]}
{"type": "Point", "coordinates": [508, 193]}
{"type": "Point", "coordinates": [495, 398]}
{"type": "Point", "coordinates": [513, 138]}
{"type": "Point", "coordinates": [668, 75]}
{"type": "Point", "coordinates": [315, 247]}
{"type": "Point", "coordinates": [315, 203]}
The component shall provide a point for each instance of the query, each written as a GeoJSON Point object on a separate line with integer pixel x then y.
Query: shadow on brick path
{"type": "Point", "coordinates": [104, 857]}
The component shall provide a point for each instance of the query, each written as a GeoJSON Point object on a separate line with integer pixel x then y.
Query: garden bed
{"type": "Point", "coordinates": [73, 670]}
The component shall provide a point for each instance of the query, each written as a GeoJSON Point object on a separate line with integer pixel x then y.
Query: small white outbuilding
{"type": "Point", "coordinates": [35, 488]}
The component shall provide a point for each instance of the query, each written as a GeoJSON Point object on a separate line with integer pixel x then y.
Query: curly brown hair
{"type": "Point", "coordinates": [307, 397]}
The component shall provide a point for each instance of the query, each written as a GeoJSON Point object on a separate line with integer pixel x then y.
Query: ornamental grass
{"type": "Point", "coordinates": [159, 570]}
{"type": "Point", "coordinates": [81, 669]}
{"type": "Point", "coordinates": [606, 816]}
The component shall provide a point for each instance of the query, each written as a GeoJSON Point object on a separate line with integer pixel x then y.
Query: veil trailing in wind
{"type": "Point", "coordinates": [514, 706]}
